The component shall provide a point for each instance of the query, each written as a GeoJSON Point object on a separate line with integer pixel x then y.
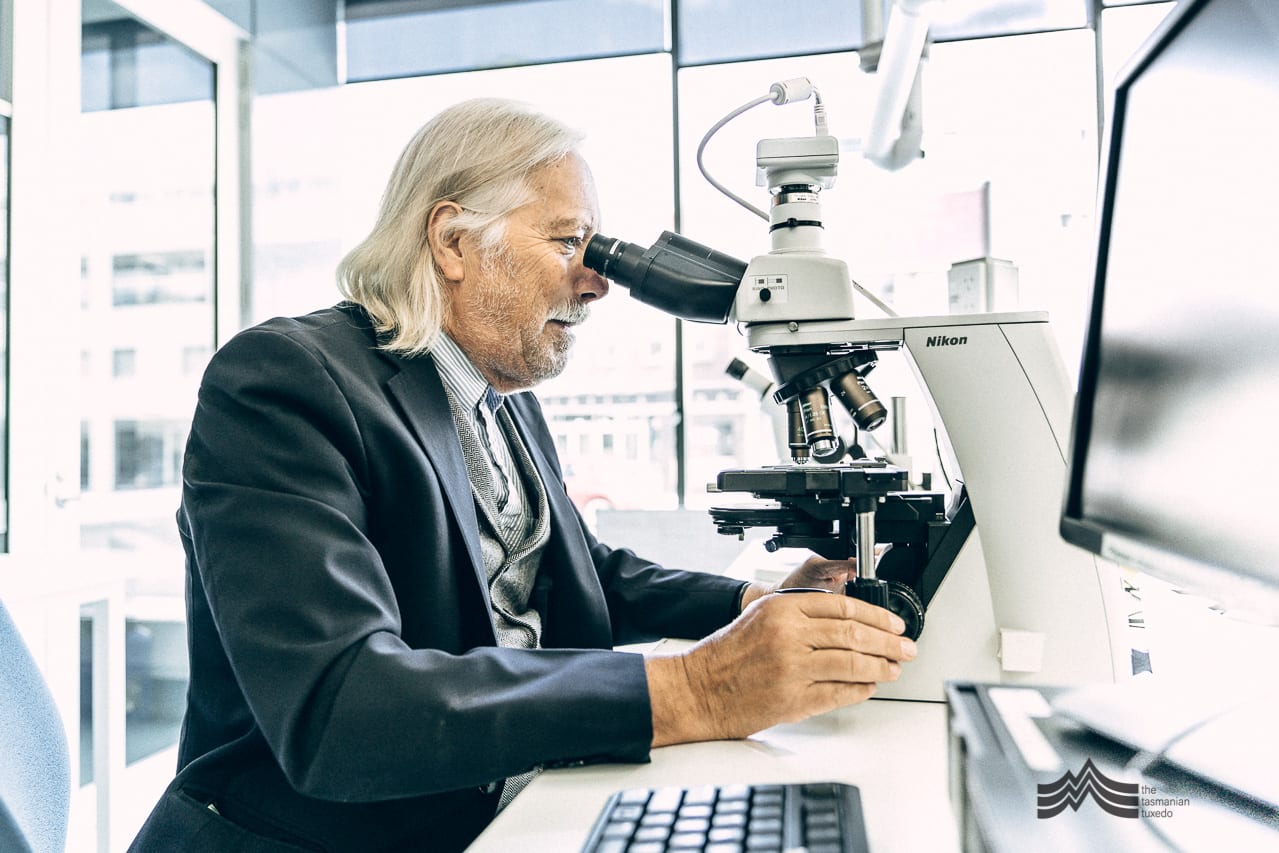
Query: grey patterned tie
{"type": "Point", "coordinates": [486, 418]}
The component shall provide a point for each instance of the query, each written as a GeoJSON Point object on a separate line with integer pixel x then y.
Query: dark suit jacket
{"type": "Point", "coordinates": [347, 691]}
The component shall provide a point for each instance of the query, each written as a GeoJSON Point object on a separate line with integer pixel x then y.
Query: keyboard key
{"type": "Point", "coordinates": [687, 841]}
{"type": "Point", "coordinates": [763, 842]}
{"type": "Point", "coordinates": [647, 847]}
{"type": "Point", "coordinates": [703, 796]}
{"type": "Point", "coordinates": [665, 800]}
{"type": "Point", "coordinates": [652, 833]}
{"type": "Point", "coordinates": [692, 824]}
{"type": "Point", "coordinates": [823, 791]}
{"type": "Point", "coordinates": [633, 796]}
{"type": "Point", "coordinates": [619, 829]}
{"type": "Point", "coordinates": [767, 825]}
{"type": "Point", "coordinates": [768, 812]}
{"type": "Point", "coordinates": [730, 819]}
{"type": "Point", "coordinates": [822, 835]}
{"type": "Point", "coordinates": [658, 819]}
{"type": "Point", "coordinates": [628, 812]}
{"type": "Point", "coordinates": [735, 834]}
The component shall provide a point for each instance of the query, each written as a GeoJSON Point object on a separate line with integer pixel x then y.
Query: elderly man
{"type": "Point", "coordinates": [396, 615]}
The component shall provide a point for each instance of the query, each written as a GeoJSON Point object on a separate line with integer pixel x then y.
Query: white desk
{"type": "Point", "coordinates": [895, 752]}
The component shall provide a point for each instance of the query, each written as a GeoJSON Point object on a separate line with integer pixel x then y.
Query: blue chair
{"type": "Point", "coordinates": [35, 768]}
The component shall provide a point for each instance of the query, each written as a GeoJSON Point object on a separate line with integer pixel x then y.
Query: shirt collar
{"type": "Point", "coordinates": [461, 378]}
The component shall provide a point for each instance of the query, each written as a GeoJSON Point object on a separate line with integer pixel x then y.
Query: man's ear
{"type": "Point", "coordinates": [445, 242]}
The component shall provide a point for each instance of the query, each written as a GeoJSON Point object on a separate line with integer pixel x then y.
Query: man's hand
{"type": "Point", "coordinates": [815, 573]}
{"type": "Point", "coordinates": [786, 658]}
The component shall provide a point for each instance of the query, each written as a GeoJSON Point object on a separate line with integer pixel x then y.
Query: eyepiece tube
{"type": "Point", "coordinates": [675, 274]}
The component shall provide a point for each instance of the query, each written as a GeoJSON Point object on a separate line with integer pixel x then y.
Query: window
{"type": "Point", "coordinates": [398, 39]}
{"type": "Point", "coordinates": [148, 184]}
{"type": "Point", "coordinates": [148, 454]}
{"type": "Point", "coordinates": [124, 362]}
{"type": "Point", "coordinates": [147, 279]}
{"type": "Point", "coordinates": [4, 313]}
{"type": "Point", "coordinates": [719, 30]}
{"type": "Point", "coordinates": [146, 179]}
{"type": "Point", "coordinates": [125, 63]}
{"type": "Point", "coordinates": [725, 30]}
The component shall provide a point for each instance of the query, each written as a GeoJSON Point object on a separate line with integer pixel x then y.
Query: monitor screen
{"type": "Point", "coordinates": [1175, 453]}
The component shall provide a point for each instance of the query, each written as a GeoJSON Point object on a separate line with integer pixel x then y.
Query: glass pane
{"type": "Point", "coordinates": [125, 63]}
{"type": "Point", "coordinates": [1010, 173]}
{"type": "Point", "coordinates": [952, 20]}
{"type": "Point", "coordinates": [383, 41]}
{"type": "Point", "coordinates": [612, 412]}
{"type": "Point", "coordinates": [146, 174]}
{"type": "Point", "coordinates": [720, 30]}
{"type": "Point", "coordinates": [723, 30]}
{"type": "Point", "coordinates": [4, 334]}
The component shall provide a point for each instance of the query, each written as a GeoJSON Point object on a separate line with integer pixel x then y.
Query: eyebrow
{"type": "Point", "coordinates": [570, 223]}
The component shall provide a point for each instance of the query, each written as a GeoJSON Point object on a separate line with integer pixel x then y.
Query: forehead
{"type": "Point", "coordinates": [563, 196]}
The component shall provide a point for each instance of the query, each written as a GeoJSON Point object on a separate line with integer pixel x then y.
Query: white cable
{"type": "Point", "coordinates": [873, 298]}
{"type": "Point", "coordinates": [781, 92]}
{"type": "Point", "coordinates": [701, 166]}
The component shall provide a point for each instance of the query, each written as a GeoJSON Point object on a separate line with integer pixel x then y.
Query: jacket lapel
{"type": "Point", "coordinates": [577, 613]}
{"type": "Point", "coordinates": [419, 391]}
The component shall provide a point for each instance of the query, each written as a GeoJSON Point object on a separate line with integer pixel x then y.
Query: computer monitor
{"type": "Point", "coordinates": [1175, 455]}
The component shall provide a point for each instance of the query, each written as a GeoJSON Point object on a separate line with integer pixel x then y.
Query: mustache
{"type": "Point", "coordinates": [572, 313]}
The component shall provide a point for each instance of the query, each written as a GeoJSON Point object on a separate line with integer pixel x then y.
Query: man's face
{"type": "Point", "coordinates": [514, 309]}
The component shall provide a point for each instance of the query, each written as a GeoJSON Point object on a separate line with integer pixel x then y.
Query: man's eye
{"type": "Point", "coordinates": [573, 243]}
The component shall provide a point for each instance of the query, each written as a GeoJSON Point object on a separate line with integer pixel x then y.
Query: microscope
{"type": "Point", "coordinates": [1005, 598]}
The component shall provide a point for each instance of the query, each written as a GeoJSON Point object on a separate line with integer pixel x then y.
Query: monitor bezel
{"type": "Point", "coordinates": [1074, 527]}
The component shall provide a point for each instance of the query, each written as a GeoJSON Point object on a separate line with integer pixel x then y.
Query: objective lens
{"type": "Point", "coordinates": [795, 422]}
{"type": "Point", "coordinates": [819, 432]}
{"type": "Point", "coordinates": [851, 390]}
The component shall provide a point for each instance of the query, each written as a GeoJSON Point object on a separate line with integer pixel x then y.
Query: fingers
{"type": "Point", "coordinates": [838, 665]}
{"type": "Point", "coordinates": [819, 606]}
{"type": "Point", "coordinates": [818, 571]}
{"type": "Point", "coordinates": [851, 635]}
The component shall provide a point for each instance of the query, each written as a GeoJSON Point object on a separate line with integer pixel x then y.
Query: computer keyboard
{"type": "Point", "coordinates": [817, 818]}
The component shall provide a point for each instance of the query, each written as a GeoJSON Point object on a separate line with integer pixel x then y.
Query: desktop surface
{"type": "Point", "coordinates": [893, 751]}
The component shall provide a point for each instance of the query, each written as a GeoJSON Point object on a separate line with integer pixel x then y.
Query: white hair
{"type": "Point", "coordinates": [478, 154]}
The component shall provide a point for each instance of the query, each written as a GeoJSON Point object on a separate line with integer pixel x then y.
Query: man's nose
{"type": "Point", "coordinates": [588, 284]}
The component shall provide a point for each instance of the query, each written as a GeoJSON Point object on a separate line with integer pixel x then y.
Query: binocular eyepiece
{"type": "Point", "coordinates": [675, 274]}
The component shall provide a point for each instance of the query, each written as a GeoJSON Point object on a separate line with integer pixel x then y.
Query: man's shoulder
{"type": "Point", "coordinates": [341, 321]}
{"type": "Point", "coordinates": [343, 331]}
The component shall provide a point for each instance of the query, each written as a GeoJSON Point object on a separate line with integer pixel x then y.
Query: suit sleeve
{"type": "Point", "coordinates": [276, 498]}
